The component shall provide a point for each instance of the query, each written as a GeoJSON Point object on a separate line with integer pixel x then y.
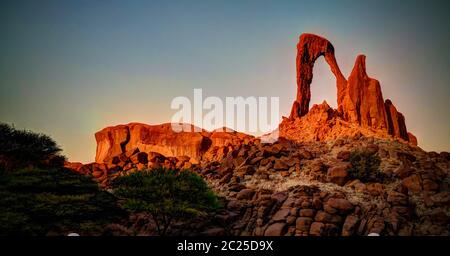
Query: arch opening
{"type": "Point", "coordinates": [323, 84]}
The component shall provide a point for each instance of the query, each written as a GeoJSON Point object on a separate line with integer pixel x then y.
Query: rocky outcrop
{"type": "Point", "coordinates": [116, 140]}
{"type": "Point", "coordinates": [360, 100]}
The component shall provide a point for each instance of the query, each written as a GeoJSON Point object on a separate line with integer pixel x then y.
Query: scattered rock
{"type": "Point", "coordinates": [338, 174]}
{"type": "Point", "coordinates": [413, 183]}
{"type": "Point", "coordinates": [303, 223]}
{"type": "Point", "coordinates": [276, 229]}
{"type": "Point", "coordinates": [245, 194]}
{"type": "Point", "coordinates": [282, 214]}
{"type": "Point", "coordinates": [317, 229]}
{"type": "Point", "coordinates": [350, 225]}
{"type": "Point", "coordinates": [342, 205]}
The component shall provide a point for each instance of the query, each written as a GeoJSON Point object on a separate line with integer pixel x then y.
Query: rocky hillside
{"type": "Point", "coordinates": [311, 188]}
{"type": "Point", "coordinates": [354, 170]}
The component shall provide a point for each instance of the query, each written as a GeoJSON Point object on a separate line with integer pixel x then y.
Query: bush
{"type": "Point", "coordinates": [365, 167]}
{"type": "Point", "coordinates": [166, 195]}
{"type": "Point", "coordinates": [56, 201]}
{"type": "Point", "coordinates": [21, 148]}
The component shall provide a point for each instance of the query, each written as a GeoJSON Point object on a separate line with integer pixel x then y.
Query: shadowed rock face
{"type": "Point", "coordinates": [360, 100]}
{"type": "Point", "coordinates": [396, 122]}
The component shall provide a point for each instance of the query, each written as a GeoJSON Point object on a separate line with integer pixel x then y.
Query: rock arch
{"type": "Point", "coordinates": [359, 98]}
{"type": "Point", "coordinates": [309, 48]}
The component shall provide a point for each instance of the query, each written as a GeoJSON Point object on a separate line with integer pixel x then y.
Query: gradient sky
{"type": "Point", "coordinates": [70, 68]}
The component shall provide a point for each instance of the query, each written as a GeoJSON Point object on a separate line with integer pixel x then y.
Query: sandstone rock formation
{"type": "Point", "coordinates": [363, 101]}
{"type": "Point", "coordinates": [360, 100]}
{"type": "Point", "coordinates": [309, 48]}
{"type": "Point", "coordinates": [361, 109]}
{"type": "Point", "coordinates": [308, 182]}
{"type": "Point", "coordinates": [113, 141]}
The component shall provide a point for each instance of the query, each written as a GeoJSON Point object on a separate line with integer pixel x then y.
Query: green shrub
{"type": "Point", "coordinates": [365, 167]}
{"type": "Point", "coordinates": [55, 201]}
{"type": "Point", "coordinates": [166, 195]}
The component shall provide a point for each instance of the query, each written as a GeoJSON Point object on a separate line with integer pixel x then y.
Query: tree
{"type": "Point", "coordinates": [55, 201]}
{"type": "Point", "coordinates": [21, 148]}
{"type": "Point", "coordinates": [167, 195]}
{"type": "Point", "coordinates": [39, 197]}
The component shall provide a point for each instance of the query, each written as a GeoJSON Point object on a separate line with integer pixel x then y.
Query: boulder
{"type": "Point", "coordinates": [307, 213]}
{"type": "Point", "coordinates": [317, 229]}
{"type": "Point", "coordinates": [276, 229]}
{"type": "Point", "coordinates": [350, 225]}
{"type": "Point", "coordinates": [342, 205]}
{"type": "Point", "coordinates": [322, 216]}
{"type": "Point", "coordinates": [338, 174]}
{"type": "Point", "coordinates": [303, 223]}
{"type": "Point", "coordinates": [280, 165]}
{"type": "Point", "coordinates": [413, 183]}
{"type": "Point", "coordinates": [279, 197]}
{"type": "Point", "coordinates": [245, 194]}
{"type": "Point", "coordinates": [281, 215]}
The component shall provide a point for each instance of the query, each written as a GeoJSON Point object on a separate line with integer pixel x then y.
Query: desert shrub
{"type": "Point", "coordinates": [166, 195]}
{"type": "Point", "coordinates": [21, 148]}
{"type": "Point", "coordinates": [365, 166]}
{"type": "Point", "coordinates": [54, 201]}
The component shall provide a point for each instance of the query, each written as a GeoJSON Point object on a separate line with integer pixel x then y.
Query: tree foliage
{"type": "Point", "coordinates": [167, 195]}
{"type": "Point", "coordinates": [22, 148]}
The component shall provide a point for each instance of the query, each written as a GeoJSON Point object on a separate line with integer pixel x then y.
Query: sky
{"type": "Point", "coordinates": [70, 68]}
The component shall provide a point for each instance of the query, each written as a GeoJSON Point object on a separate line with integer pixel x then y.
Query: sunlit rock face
{"type": "Point", "coordinates": [360, 99]}
{"type": "Point", "coordinates": [361, 110]}
{"type": "Point", "coordinates": [115, 140]}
